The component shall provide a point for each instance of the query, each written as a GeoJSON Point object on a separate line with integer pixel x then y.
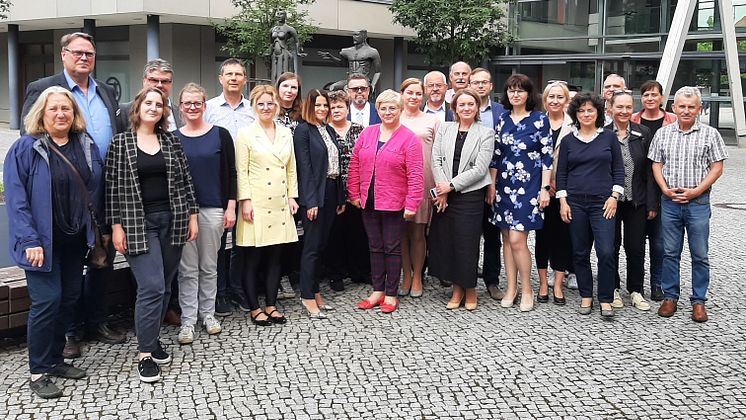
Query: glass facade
{"type": "Point", "coordinates": [582, 41]}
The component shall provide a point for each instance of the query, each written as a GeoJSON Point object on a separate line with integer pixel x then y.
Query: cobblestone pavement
{"type": "Point", "coordinates": [424, 362]}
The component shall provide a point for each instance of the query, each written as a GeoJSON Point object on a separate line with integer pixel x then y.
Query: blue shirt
{"type": "Point", "coordinates": [97, 120]}
{"type": "Point", "coordinates": [220, 112]}
{"type": "Point", "coordinates": [485, 117]}
{"type": "Point", "coordinates": [203, 154]}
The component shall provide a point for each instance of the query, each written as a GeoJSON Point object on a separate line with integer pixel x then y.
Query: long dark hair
{"type": "Point", "coordinates": [521, 81]}
{"type": "Point", "coordinates": [295, 113]}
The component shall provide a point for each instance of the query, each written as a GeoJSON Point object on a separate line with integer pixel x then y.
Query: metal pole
{"type": "Point", "coordinates": [398, 61]}
{"type": "Point", "coordinates": [154, 37]}
{"type": "Point", "coordinates": [682, 18]}
{"type": "Point", "coordinates": [13, 79]}
{"type": "Point", "coordinates": [734, 72]}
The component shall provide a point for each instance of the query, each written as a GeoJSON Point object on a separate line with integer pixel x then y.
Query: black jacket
{"type": "Point", "coordinates": [35, 89]}
{"type": "Point", "coordinates": [312, 162]}
{"type": "Point", "coordinates": [645, 191]}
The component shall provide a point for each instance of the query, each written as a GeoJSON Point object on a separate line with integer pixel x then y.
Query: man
{"type": "Point", "coordinates": [480, 80]}
{"type": "Point", "coordinates": [232, 111]}
{"type": "Point", "coordinates": [612, 83]}
{"type": "Point", "coordinates": [99, 107]}
{"type": "Point", "coordinates": [361, 111]}
{"type": "Point", "coordinates": [435, 100]}
{"type": "Point", "coordinates": [687, 160]}
{"type": "Point", "coordinates": [459, 76]}
{"type": "Point", "coordinates": [158, 73]}
{"type": "Point", "coordinates": [361, 59]}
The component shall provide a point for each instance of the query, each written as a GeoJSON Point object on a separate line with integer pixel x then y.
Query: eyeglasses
{"type": "Point", "coordinates": [78, 54]}
{"type": "Point", "coordinates": [556, 82]}
{"type": "Point", "coordinates": [480, 82]}
{"type": "Point", "coordinates": [195, 105]}
{"type": "Point", "coordinates": [157, 82]}
{"type": "Point", "coordinates": [435, 85]}
{"type": "Point", "coordinates": [360, 89]}
{"type": "Point", "coordinates": [388, 109]}
{"type": "Point", "coordinates": [516, 91]}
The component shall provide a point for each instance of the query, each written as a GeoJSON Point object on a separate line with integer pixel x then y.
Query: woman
{"type": "Point", "coordinates": [212, 163]}
{"type": "Point", "coordinates": [461, 157]}
{"type": "Point", "coordinates": [151, 206]}
{"type": "Point", "coordinates": [523, 156]}
{"type": "Point", "coordinates": [321, 194]}
{"type": "Point", "coordinates": [289, 89]}
{"type": "Point", "coordinates": [51, 229]}
{"type": "Point", "coordinates": [386, 181]}
{"type": "Point", "coordinates": [653, 116]}
{"type": "Point", "coordinates": [267, 185]}
{"type": "Point", "coordinates": [590, 179]}
{"type": "Point", "coordinates": [282, 34]}
{"type": "Point", "coordinates": [637, 201]}
{"type": "Point", "coordinates": [553, 241]}
{"type": "Point", "coordinates": [413, 241]}
{"type": "Point", "coordinates": [347, 250]}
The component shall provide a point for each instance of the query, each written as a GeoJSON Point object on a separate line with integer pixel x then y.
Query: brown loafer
{"type": "Point", "coordinates": [172, 318]}
{"type": "Point", "coordinates": [699, 313]}
{"type": "Point", "coordinates": [667, 308]}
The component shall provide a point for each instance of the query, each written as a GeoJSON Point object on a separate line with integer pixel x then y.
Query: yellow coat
{"type": "Point", "coordinates": [267, 177]}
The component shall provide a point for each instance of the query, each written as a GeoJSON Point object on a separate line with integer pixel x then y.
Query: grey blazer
{"type": "Point", "coordinates": [473, 169]}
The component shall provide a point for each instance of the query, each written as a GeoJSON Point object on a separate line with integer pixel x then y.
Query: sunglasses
{"type": "Point", "coordinates": [556, 82]}
{"type": "Point", "coordinates": [622, 92]}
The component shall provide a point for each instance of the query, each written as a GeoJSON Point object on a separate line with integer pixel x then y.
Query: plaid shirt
{"type": "Point", "coordinates": [124, 198]}
{"type": "Point", "coordinates": [687, 155]}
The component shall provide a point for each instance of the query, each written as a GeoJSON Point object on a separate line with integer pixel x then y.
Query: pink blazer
{"type": "Point", "coordinates": [399, 180]}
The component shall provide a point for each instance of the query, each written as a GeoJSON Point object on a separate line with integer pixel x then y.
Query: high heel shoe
{"type": "Point", "coordinates": [470, 306]}
{"type": "Point", "coordinates": [559, 300]}
{"type": "Point", "coordinates": [509, 301]}
{"type": "Point", "coordinates": [326, 307]}
{"type": "Point", "coordinates": [314, 315]}
{"type": "Point", "coordinates": [366, 304]}
{"type": "Point", "coordinates": [527, 306]}
{"type": "Point", "coordinates": [403, 292]}
{"type": "Point", "coordinates": [453, 304]}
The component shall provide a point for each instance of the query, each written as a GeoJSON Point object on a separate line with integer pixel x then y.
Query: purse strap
{"type": "Point", "coordinates": [75, 171]}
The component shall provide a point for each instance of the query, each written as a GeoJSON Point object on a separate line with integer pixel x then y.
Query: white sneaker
{"type": "Point", "coordinates": [618, 302]}
{"type": "Point", "coordinates": [572, 281]}
{"type": "Point", "coordinates": [186, 334]}
{"type": "Point", "coordinates": [212, 325]}
{"type": "Point", "coordinates": [639, 302]}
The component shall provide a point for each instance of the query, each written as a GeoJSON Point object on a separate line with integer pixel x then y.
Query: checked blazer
{"type": "Point", "coordinates": [124, 198]}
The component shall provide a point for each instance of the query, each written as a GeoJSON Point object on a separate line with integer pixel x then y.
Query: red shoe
{"type": "Point", "coordinates": [387, 308]}
{"type": "Point", "coordinates": [366, 304]}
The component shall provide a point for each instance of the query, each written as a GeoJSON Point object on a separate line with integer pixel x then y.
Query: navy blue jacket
{"type": "Point", "coordinates": [312, 161]}
{"type": "Point", "coordinates": [374, 117]}
{"type": "Point", "coordinates": [28, 197]}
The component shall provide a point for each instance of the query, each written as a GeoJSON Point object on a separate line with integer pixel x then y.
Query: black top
{"type": "Point", "coordinates": [652, 125]}
{"type": "Point", "coordinates": [590, 168]}
{"type": "Point", "coordinates": [212, 162]}
{"type": "Point", "coordinates": [151, 169]}
{"type": "Point", "coordinates": [371, 202]}
{"type": "Point", "coordinates": [457, 148]}
{"type": "Point", "coordinates": [69, 200]}
{"type": "Point", "coordinates": [555, 136]}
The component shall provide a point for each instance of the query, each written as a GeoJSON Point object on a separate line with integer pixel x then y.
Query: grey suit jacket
{"type": "Point", "coordinates": [473, 169]}
{"type": "Point", "coordinates": [35, 88]}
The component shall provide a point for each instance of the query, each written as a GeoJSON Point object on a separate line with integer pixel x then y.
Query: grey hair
{"type": "Point", "coordinates": [688, 92]}
{"type": "Point", "coordinates": [157, 64]}
{"type": "Point", "coordinates": [624, 82]}
{"type": "Point", "coordinates": [450, 69]}
{"type": "Point", "coordinates": [434, 74]}
{"type": "Point", "coordinates": [68, 38]}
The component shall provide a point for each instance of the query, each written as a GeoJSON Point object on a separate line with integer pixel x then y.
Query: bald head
{"type": "Point", "coordinates": [613, 82]}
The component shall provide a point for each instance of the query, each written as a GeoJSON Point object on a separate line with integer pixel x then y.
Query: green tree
{"type": "Point", "coordinates": [453, 30]}
{"type": "Point", "coordinates": [248, 32]}
{"type": "Point", "coordinates": [4, 8]}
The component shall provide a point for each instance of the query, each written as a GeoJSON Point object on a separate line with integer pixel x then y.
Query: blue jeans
{"type": "Point", "coordinates": [589, 227]}
{"type": "Point", "coordinates": [655, 241]}
{"type": "Point", "coordinates": [154, 271]}
{"type": "Point", "coordinates": [695, 218]}
{"type": "Point", "coordinates": [53, 298]}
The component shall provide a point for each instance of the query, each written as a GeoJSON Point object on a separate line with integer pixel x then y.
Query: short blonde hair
{"type": "Point", "coordinates": [260, 90]}
{"type": "Point", "coordinates": [565, 91]}
{"type": "Point", "coordinates": [409, 82]}
{"type": "Point", "coordinates": [389, 96]}
{"type": "Point", "coordinates": [34, 121]}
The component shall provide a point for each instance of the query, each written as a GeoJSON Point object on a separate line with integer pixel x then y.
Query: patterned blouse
{"type": "Point", "coordinates": [332, 170]}
{"type": "Point", "coordinates": [346, 145]}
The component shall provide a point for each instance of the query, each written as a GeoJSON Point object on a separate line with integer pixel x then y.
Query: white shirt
{"type": "Point", "coordinates": [360, 116]}
{"type": "Point", "coordinates": [219, 112]}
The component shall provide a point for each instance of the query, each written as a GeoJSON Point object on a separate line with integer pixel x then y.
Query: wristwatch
{"type": "Point", "coordinates": [547, 187]}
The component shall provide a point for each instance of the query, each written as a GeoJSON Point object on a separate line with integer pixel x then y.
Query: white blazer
{"type": "Point", "coordinates": [473, 169]}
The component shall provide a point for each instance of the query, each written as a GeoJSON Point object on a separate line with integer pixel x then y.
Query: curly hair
{"type": "Point", "coordinates": [587, 98]}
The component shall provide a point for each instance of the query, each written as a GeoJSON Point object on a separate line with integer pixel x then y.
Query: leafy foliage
{"type": "Point", "coordinates": [4, 8]}
{"type": "Point", "coordinates": [449, 31]}
{"type": "Point", "coordinates": [248, 32]}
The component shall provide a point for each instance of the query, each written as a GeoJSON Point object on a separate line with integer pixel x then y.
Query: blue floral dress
{"type": "Point", "coordinates": [522, 152]}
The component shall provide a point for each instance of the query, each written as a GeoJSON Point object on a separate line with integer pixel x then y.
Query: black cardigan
{"type": "Point", "coordinates": [312, 162]}
{"type": "Point", "coordinates": [645, 191]}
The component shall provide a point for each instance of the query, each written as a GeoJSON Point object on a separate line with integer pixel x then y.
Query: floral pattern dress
{"type": "Point", "coordinates": [522, 152]}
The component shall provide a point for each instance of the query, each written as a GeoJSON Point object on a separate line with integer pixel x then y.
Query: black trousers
{"type": "Point", "coordinates": [634, 219]}
{"type": "Point", "coordinates": [492, 243]}
{"type": "Point", "coordinates": [347, 253]}
{"type": "Point", "coordinates": [251, 258]}
{"type": "Point", "coordinates": [315, 237]}
{"type": "Point", "coordinates": [553, 241]}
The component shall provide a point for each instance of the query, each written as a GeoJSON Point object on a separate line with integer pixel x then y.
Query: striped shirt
{"type": "Point", "coordinates": [687, 155]}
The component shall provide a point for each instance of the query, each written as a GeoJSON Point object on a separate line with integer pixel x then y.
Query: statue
{"type": "Point", "coordinates": [361, 58]}
{"type": "Point", "coordinates": [282, 59]}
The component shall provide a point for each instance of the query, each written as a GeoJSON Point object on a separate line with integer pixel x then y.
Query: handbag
{"type": "Point", "coordinates": [98, 256]}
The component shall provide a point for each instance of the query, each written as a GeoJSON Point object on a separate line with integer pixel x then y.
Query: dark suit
{"type": "Point", "coordinates": [35, 88]}
{"type": "Point", "coordinates": [315, 190]}
{"type": "Point", "coordinates": [491, 265]}
{"type": "Point", "coordinates": [124, 115]}
{"type": "Point", "coordinates": [374, 117]}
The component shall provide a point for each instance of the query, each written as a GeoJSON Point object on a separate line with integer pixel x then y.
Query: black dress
{"type": "Point", "coordinates": [453, 241]}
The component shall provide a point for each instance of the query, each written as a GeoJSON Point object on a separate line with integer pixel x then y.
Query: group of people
{"type": "Point", "coordinates": [383, 192]}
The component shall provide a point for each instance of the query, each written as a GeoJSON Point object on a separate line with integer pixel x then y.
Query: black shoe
{"type": "Point", "coordinates": [241, 303]}
{"type": "Point", "coordinates": [337, 285]}
{"type": "Point", "coordinates": [72, 348]}
{"type": "Point", "coordinates": [149, 370]}
{"type": "Point", "coordinates": [656, 294]}
{"type": "Point", "coordinates": [222, 307]}
{"type": "Point", "coordinates": [160, 356]}
{"type": "Point", "coordinates": [559, 300]}
{"type": "Point", "coordinates": [106, 335]}
{"type": "Point", "coordinates": [66, 370]}
{"type": "Point", "coordinates": [260, 322]}
{"type": "Point", "coordinates": [45, 388]}
{"type": "Point", "coordinates": [542, 298]}
{"type": "Point", "coordinates": [444, 283]}
{"type": "Point", "coordinates": [277, 319]}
